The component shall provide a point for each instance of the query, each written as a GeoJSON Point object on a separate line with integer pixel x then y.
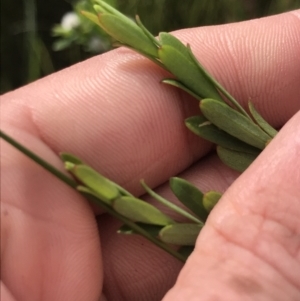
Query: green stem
{"type": "Point", "coordinates": [39, 160]}
{"type": "Point", "coordinates": [73, 184]}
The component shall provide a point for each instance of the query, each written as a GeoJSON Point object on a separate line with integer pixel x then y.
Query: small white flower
{"type": "Point", "coordinates": [70, 21]}
{"type": "Point", "coordinates": [95, 44]}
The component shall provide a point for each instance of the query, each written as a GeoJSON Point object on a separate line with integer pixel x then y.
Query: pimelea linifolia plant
{"type": "Point", "coordinates": [239, 137]}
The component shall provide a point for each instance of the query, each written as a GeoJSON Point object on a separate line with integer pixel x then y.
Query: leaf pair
{"type": "Point", "coordinates": [178, 59]}
{"type": "Point", "coordinates": [190, 196]}
{"type": "Point", "coordinates": [239, 139]}
{"type": "Point", "coordinates": [185, 234]}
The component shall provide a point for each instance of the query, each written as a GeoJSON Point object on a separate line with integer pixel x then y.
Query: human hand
{"type": "Point", "coordinates": [111, 112]}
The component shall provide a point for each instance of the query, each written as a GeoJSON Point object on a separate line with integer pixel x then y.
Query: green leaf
{"type": "Point", "coordinates": [187, 72]}
{"type": "Point", "coordinates": [210, 199]}
{"type": "Point", "coordinates": [236, 160]}
{"type": "Point", "coordinates": [152, 230]}
{"type": "Point", "coordinates": [94, 181]}
{"type": "Point", "coordinates": [122, 190]}
{"type": "Point", "coordinates": [140, 211]}
{"type": "Point", "coordinates": [128, 33]}
{"type": "Point", "coordinates": [92, 17]}
{"type": "Point", "coordinates": [261, 122]}
{"type": "Point", "coordinates": [189, 195]}
{"type": "Point", "coordinates": [147, 32]}
{"type": "Point", "coordinates": [234, 123]}
{"type": "Point", "coordinates": [169, 204]}
{"type": "Point", "coordinates": [166, 39]}
{"type": "Point", "coordinates": [180, 234]}
{"type": "Point", "coordinates": [104, 7]}
{"type": "Point", "coordinates": [208, 131]}
{"type": "Point", "coordinates": [67, 157]}
{"type": "Point", "coordinates": [85, 190]}
{"type": "Point", "coordinates": [178, 84]}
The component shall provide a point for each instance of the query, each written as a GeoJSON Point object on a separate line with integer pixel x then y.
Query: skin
{"type": "Point", "coordinates": [111, 112]}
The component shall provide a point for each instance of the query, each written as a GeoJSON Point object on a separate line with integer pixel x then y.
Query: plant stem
{"type": "Point", "coordinates": [39, 160]}
{"type": "Point", "coordinates": [73, 184]}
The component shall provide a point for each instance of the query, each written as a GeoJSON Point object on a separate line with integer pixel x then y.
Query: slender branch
{"type": "Point", "coordinates": [57, 173]}
{"type": "Point", "coordinates": [73, 184]}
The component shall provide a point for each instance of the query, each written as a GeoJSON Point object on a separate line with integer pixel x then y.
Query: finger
{"type": "Point", "coordinates": [50, 246]}
{"type": "Point", "coordinates": [5, 294]}
{"type": "Point", "coordinates": [112, 112]}
{"type": "Point", "coordinates": [249, 248]}
{"type": "Point", "coordinates": [255, 62]}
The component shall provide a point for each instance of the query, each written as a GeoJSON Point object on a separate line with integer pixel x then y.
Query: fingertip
{"type": "Point", "coordinates": [5, 294]}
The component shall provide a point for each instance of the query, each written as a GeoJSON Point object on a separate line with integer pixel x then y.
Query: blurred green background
{"type": "Point", "coordinates": [36, 42]}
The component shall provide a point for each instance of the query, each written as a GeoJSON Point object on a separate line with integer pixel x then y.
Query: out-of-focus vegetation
{"type": "Point", "coordinates": [39, 37]}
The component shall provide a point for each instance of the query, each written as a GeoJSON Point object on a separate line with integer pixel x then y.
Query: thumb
{"type": "Point", "coordinates": [250, 246]}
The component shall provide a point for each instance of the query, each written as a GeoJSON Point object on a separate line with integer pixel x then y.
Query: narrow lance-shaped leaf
{"type": "Point", "coordinates": [121, 190]}
{"type": "Point", "coordinates": [128, 33]}
{"type": "Point", "coordinates": [166, 39]}
{"type": "Point", "coordinates": [261, 122]}
{"type": "Point", "coordinates": [180, 234]}
{"type": "Point", "coordinates": [67, 157]}
{"type": "Point", "coordinates": [92, 17]}
{"type": "Point", "coordinates": [208, 131]}
{"type": "Point", "coordinates": [189, 195]}
{"type": "Point", "coordinates": [140, 211]}
{"type": "Point", "coordinates": [94, 181]}
{"type": "Point", "coordinates": [178, 84]}
{"type": "Point", "coordinates": [147, 32]}
{"type": "Point", "coordinates": [170, 205]}
{"type": "Point", "coordinates": [236, 160]}
{"type": "Point", "coordinates": [210, 199]}
{"type": "Point", "coordinates": [234, 123]}
{"type": "Point", "coordinates": [103, 7]}
{"type": "Point", "coordinates": [187, 72]}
